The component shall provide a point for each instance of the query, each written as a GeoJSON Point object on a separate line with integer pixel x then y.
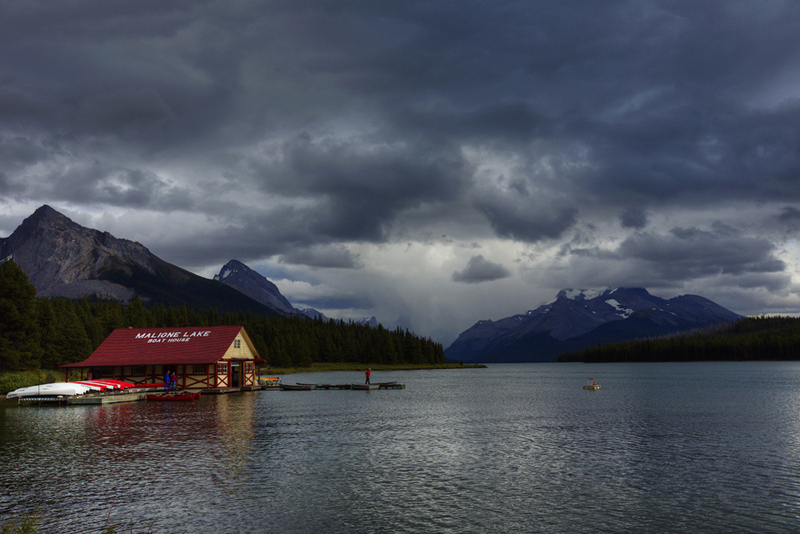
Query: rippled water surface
{"type": "Point", "coordinates": [513, 448]}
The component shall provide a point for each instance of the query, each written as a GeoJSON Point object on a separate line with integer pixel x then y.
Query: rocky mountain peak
{"type": "Point", "coordinates": [245, 280]}
{"type": "Point", "coordinates": [64, 259]}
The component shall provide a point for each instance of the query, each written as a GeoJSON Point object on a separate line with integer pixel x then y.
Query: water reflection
{"type": "Point", "coordinates": [669, 448]}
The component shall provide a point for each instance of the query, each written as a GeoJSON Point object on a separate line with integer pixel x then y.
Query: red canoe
{"type": "Point", "coordinates": [107, 383]}
{"type": "Point", "coordinates": [178, 397]}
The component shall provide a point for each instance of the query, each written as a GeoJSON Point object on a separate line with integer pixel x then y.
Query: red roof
{"type": "Point", "coordinates": [164, 346]}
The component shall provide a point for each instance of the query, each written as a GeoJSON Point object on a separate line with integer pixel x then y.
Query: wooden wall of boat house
{"type": "Point", "coordinates": [243, 352]}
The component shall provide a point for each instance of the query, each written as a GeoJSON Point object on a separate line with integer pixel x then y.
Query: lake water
{"type": "Point", "coordinates": [700, 447]}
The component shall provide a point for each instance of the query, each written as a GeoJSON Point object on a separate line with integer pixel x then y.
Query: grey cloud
{"type": "Point", "coordinates": [531, 121]}
{"type": "Point", "coordinates": [635, 218]}
{"type": "Point", "coordinates": [525, 218]}
{"type": "Point", "coordinates": [790, 216]}
{"type": "Point", "coordinates": [124, 110]}
{"type": "Point", "coordinates": [359, 189]}
{"type": "Point", "coordinates": [479, 270]}
{"type": "Point", "coordinates": [322, 257]}
{"type": "Point", "coordinates": [690, 253]}
{"type": "Point", "coordinates": [114, 186]}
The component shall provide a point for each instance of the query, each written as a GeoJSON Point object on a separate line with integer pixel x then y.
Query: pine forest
{"type": "Point", "coordinates": [752, 338]}
{"type": "Point", "coordinates": [38, 332]}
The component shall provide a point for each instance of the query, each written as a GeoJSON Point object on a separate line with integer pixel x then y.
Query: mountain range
{"type": "Point", "coordinates": [580, 319]}
{"type": "Point", "coordinates": [64, 259]}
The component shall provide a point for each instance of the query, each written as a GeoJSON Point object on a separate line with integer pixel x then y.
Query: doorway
{"type": "Point", "coordinates": [236, 375]}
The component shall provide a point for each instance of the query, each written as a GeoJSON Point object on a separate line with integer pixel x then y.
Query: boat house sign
{"type": "Point", "coordinates": [172, 337]}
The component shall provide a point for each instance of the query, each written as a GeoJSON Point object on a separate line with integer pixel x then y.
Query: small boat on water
{"type": "Point", "coordinates": [298, 387]}
{"type": "Point", "coordinates": [271, 381]}
{"type": "Point", "coordinates": [185, 396]}
{"type": "Point", "coordinates": [591, 384]}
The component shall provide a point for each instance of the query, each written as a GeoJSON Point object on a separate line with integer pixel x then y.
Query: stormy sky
{"type": "Point", "coordinates": [428, 162]}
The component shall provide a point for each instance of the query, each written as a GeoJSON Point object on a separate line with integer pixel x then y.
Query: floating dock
{"type": "Point", "coordinates": [114, 398]}
{"type": "Point", "coordinates": [362, 387]}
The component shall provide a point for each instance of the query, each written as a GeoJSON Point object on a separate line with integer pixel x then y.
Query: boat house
{"type": "Point", "coordinates": [213, 357]}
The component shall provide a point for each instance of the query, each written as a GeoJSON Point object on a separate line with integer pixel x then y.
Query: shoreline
{"type": "Point", "coordinates": [349, 366]}
{"type": "Point", "coordinates": [44, 375]}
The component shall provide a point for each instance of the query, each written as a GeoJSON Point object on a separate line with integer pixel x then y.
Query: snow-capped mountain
{"type": "Point", "coordinates": [582, 318]}
{"type": "Point", "coordinates": [372, 322]}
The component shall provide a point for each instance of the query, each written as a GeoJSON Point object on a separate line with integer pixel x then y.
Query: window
{"type": "Point", "coordinates": [199, 369]}
{"type": "Point", "coordinates": [237, 344]}
{"type": "Point", "coordinates": [249, 367]}
{"type": "Point", "coordinates": [137, 370]}
{"type": "Point", "coordinates": [222, 368]}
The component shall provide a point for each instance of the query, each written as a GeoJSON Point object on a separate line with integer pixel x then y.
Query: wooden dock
{"type": "Point", "coordinates": [114, 398]}
{"type": "Point", "coordinates": [140, 394]}
{"type": "Point", "coordinates": [357, 387]}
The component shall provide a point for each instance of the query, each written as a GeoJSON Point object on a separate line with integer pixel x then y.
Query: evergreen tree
{"type": "Point", "coordinates": [49, 329]}
{"type": "Point", "coordinates": [19, 331]}
{"type": "Point", "coordinates": [88, 314]}
{"type": "Point", "coordinates": [136, 315]}
{"type": "Point", "coordinates": [72, 343]}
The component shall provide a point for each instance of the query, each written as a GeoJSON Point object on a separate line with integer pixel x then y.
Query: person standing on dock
{"type": "Point", "coordinates": [369, 372]}
{"type": "Point", "coordinates": [166, 381]}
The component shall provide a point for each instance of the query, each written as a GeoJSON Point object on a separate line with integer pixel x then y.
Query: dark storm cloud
{"type": "Point", "coordinates": [359, 189]}
{"type": "Point", "coordinates": [125, 110]}
{"type": "Point", "coordinates": [323, 257]}
{"type": "Point", "coordinates": [660, 97]}
{"type": "Point", "coordinates": [479, 269]}
{"type": "Point", "coordinates": [525, 217]}
{"type": "Point", "coordinates": [790, 216]}
{"type": "Point", "coordinates": [290, 127]}
{"type": "Point", "coordinates": [635, 218]}
{"type": "Point", "coordinates": [690, 253]}
{"type": "Point", "coordinates": [112, 186]}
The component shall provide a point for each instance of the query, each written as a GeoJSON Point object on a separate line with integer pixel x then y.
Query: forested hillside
{"type": "Point", "coordinates": [753, 338]}
{"type": "Point", "coordinates": [42, 332]}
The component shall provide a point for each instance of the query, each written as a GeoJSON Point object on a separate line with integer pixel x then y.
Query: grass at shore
{"type": "Point", "coordinates": [350, 366]}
